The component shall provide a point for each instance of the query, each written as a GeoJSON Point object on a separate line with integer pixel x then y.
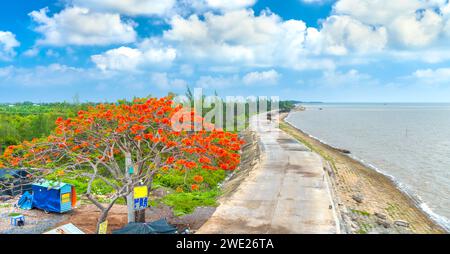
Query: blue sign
{"type": "Point", "coordinates": [140, 203]}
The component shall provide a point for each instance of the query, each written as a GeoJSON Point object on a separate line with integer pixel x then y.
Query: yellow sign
{"type": "Point", "coordinates": [140, 192]}
{"type": "Point", "coordinates": [65, 198]}
{"type": "Point", "coordinates": [103, 227]}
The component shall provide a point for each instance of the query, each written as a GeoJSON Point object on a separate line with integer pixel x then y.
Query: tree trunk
{"type": "Point", "coordinates": [103, 215]}
{"type": "Point", "coordinates": [130, 201]}
{"type": "Point", "coordinates": [140, 216]}
{"type": "Point", "coordinates": [101, 219]}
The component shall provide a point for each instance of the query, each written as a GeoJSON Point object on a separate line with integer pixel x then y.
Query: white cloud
{"type": "Point", "coordinates": [81, 26]}
{"type": "Point", "coordinates": [432, 55]}
{"type": "Point", "coordinates": [123, 58]}
{"type": "Point", "coordinates": [217, 82]}
{"type": "Point", "coordinates": [315, 1]}
{"type": "Point", "coordinates": [186, 70]}
{"type": "Point", "coordinates": [7, 44]}
{"type": "Point", "coordinates": [61, 77]}
{"type": "Point", "coordinates": [409, 31]}
{"type": "Point", "coordinates": [432, 76]}
{"type": "Point", "coordinates": [269, 77]}
{"type": "Point", "coordinates": [129, 7]}
{"type": "Point", "coordinates": [148, 54]}
{"type": "Point", "coordinates": [162, 80]}
{"type": "Point", "coordinates": [238, 37]}
{"type": "Point", "coordinates": [378, 12]}
{"type": "Point", "coordinates": [230, 4]}
{"type": "Point", "coordinates": [162, 8]}
{"type": "Point", "coordinates": [49, 75]}
{"type": "Point", "coordinates": [409, 23]}
{"type": "Point", "coordinates": [342, 34]}
{"type": "Point", "coordinates": [338, 78]}
{"type": "Point", "coordinates": [186, 7]}
{"type": "Point", "coordinates": [32, 52]}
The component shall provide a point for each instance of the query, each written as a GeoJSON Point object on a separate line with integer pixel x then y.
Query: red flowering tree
{"type": "Point", "coordinates": [126, 145]}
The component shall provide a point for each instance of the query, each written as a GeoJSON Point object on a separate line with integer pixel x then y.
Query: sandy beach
{"type": "Point", "coordinates": [368, 202]}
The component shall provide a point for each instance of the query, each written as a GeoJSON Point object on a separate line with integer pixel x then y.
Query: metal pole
{"type": "Point", "coordinates": [128, 173]}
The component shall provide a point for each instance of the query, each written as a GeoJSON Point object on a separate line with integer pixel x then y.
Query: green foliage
{"type": "Point", "coordinates": [286, 106]}
{"type": "Point", "coordinates": [174, 179]}
{"type": "Point", "coordinates": [99, 187]}
{"type": "Point", "coordinates": [363, 213]}
{"type": "Point", "coordinates": [186, 202]}
{"type": "Point", "coordinates": [25, 121]}
{"type": "Point", "coordinates": [6, 205]}
{"type": "Point", "coordinates": [210, 177]}
{"type": "Point", "coordinates": [14, 214]}
{"type": "Point", "coordinates": [171, 179]}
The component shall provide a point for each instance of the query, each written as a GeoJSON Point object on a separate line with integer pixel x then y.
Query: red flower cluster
{"type": "Point", "coordinates": [198, 179]}
{"type": "Point", "coordinates": [106, 131]}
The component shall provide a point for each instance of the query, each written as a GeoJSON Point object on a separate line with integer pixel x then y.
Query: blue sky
{"type": "Point", "coordinates": [311, 50]}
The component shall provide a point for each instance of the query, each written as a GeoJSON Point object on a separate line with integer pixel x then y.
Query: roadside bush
{"type": "Point", "coordinates": [186, 202]}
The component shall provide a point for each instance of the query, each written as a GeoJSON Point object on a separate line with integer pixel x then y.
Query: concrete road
{"type": "Point", "coordinates": [287, 193]}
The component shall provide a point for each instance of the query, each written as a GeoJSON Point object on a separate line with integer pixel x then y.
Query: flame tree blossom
{"type": "Point", "coordinates": [96, 143]}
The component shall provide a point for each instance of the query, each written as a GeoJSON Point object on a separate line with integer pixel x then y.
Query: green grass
{"type": "Point", "coordinates": [364, 213]}
{"type": "Point", "coordinates": [182, 203]}
{"type": "Point", "coordinates": [361, 231]}
{"type": "Point", "coordinates": [186, 202]}
{"type": "Point", "coordinates": [174, 179]}
{"type": "Point", "coordinates": [14, 214]}
{"type": "Point", "coordinates": [81, 183]}
{"type": "Point", "coordinates": [364, 228]}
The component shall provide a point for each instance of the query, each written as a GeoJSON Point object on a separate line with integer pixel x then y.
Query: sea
{"type": "Point", "coordinates": [410, 143]}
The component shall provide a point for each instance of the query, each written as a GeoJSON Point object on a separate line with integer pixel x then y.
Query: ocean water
{"type": "Point", "coordinates": [408, 142]}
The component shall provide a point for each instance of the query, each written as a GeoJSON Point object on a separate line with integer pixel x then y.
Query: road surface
{"type": "Point", "coordinates": [287, 193]}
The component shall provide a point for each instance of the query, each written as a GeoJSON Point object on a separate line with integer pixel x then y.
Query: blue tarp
{"type": "Point", "coordinates": [26, 201]}
{"type": "Point", "coordinates": [46, 199]}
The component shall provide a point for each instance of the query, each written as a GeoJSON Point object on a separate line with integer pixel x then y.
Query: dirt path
{"type": "Point", "coordinates": [85, 217]}
{"type": "Point", "coordinates": [286, 193]}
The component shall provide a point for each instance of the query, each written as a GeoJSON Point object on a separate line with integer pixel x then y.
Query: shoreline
{"type": "Point", "coordinates": [418, 202]}
{"type": "Point", "coordinates": [369, 201]}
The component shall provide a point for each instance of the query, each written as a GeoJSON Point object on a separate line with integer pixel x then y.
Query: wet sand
{"type": "Point", "coordinates": [369, 202]}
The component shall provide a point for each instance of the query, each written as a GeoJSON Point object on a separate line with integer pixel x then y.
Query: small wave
{"type": "Point", "coordinates": [439, 219]}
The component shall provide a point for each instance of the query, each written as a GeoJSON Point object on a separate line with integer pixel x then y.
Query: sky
{"type": "Point", "coordinates": [308, 50]}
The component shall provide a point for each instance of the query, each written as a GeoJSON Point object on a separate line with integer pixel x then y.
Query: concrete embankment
{"type": "Point", "coordinates": [368, 202]}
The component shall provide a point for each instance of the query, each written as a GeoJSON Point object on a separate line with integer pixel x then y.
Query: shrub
{"type": "Point", "coordinates": [186, 202]}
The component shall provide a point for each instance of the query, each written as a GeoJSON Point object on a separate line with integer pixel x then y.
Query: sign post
{"type": "Point", "coordinates": [128, 165]}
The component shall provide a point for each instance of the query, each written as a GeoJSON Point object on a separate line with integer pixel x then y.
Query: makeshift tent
{"type": "Point", "coordinates": [17, 179]}
{"type": "Point", "coordinates": [156, 227]}
{"type": "Point", "coordinates": [53, 196]}
{"type": "Point", "coordinates": [26, 201]}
